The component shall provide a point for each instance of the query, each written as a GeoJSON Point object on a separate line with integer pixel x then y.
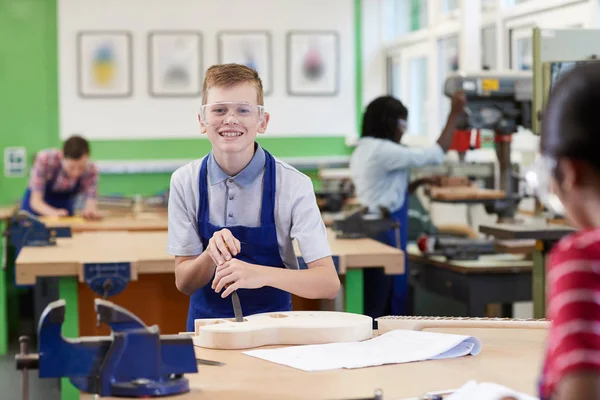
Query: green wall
{"type": "Point", "coordinates": [29, 107]}
{"type": "Point", "coordinates": [28, 94]}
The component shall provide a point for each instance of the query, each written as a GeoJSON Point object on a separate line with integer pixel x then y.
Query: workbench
{"type": "Point", "coordinates": [545, 235]}
{"type": "Point", "coordinates": [510, 357]}
{"type": "Point", "coordinates": [146, 221]}
{"type": "Point", "coordinates": [146, 251]}
{"type": "Point", "coordinates": [152, 294]}
{"type": "Point", "coordinates": [492, 279]}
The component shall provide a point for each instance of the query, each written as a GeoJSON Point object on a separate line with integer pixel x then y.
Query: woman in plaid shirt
{"type": "Point", "coordinates": [58, 176]}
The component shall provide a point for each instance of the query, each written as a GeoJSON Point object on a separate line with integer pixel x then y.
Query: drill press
{"type": "Point", "coordinates": [501, 102]}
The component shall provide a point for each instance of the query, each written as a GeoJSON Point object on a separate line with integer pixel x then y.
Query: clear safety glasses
{"type": "Point", "coordinates": [540, 179]}
{"type": "Point", "coordinates": [402, 124]}
{"type": "Point", "coordinates": [216, 114]}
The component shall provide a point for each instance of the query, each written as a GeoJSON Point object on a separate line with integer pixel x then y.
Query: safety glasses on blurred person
{"type": "Point", "coordinates": [402, 125]}
{"type": "Point", "coordinates": [241, 113]}
{"type": "Point", "coordinates": [540, 178]}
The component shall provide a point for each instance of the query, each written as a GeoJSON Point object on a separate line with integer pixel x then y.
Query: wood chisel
{"type": "Point", "coordinates": [237, 307]}
{"type": "Point", "coordinates": [235, 300]}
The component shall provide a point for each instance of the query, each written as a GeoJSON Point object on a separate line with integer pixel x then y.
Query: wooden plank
{"type": "Point", "coordinates": [465, 193]}
{"type": "Point", "coordinates": [7, 211]}
{"type": "Point", "coordinates": [526, 230]}
{"type": "Point", "coordinates": [493, 263]}
{"type": "Point", "coordinates": [523, 246]}
{"type": "Point", "coordinates": [130, 222]}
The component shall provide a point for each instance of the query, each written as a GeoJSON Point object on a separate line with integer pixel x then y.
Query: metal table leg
{"type": "Point", "coordinates": [538, 278]}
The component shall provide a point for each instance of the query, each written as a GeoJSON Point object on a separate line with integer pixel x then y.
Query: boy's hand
{"type": "Point", "coordinates": [237, 274]}
{"type": "Point", "coordinates": [223, 246]}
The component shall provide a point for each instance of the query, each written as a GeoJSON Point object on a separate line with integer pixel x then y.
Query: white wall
{"type": "Point", "coordinates": [141, 116]}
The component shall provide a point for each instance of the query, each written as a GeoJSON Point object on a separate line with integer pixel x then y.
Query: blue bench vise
{"type": "Point", "coordinates": [134, 361]}
{"type": "Point", "coordinates": [25, 229]}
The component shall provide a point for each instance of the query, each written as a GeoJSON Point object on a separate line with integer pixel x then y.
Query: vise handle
{"type": "Point", "coordinates": [24, 362]}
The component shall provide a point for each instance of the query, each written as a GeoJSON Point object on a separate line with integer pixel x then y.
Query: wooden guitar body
{"type": "Point", "coordinates": [282, 328]}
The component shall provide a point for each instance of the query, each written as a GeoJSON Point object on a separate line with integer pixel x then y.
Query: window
{"type": "Point", "coordinates": [395, 77]}
{"type": "Point", "coordinates": [417, 97]}
{"type": "Point", "coordinates": [418, 12]}
{"type": "Point", "coordinates": [488, 48]}
{"type": "Point", "coordinates": [488, 5]}
{"type": "Point", "coordinates": [449, 6]}
{"type": "Point", "coordinates": [521, 44]}
{"type": "Point", "coordinates": [510, 3]}
{"type": "Point", "coordinates": [397, 18]}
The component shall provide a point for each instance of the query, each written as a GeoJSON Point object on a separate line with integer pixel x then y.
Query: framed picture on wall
{"type": "Point", "coordinates": [104, 64]}
{"type": "Point", "coordinates": [313, 63]}
{"type": "Point", "coordinates": [175, 64]}
{"type": "Point", "coordinates": [251, 48]}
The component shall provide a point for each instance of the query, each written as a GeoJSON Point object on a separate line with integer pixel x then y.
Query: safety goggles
{"type": "Point", "coordinates": [402, 124]}
{"type": "Point", "coordinates": [540, 179]}
{"type": "Point", "coordinates": [230, 112]}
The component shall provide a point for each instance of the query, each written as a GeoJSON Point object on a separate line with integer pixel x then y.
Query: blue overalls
{"type": "Point", "coordinates": [400, 282]}
{"type": "Point", "coordinates": [385, 294]}
{"type": "Point", "coordinates": [258, 246]}
{"type": "Point", "coordinates": [56, 199]}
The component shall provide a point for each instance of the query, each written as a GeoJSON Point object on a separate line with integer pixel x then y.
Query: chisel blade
{"type": "Point", "coordinates": [237, 307]}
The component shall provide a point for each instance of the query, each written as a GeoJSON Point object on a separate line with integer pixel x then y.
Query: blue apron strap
{"type": "Point", "coordinates": [267, 212]}
{"type": "Point", "coordinates": [203, 192]}
{"type": "Point", "coordinates": [400, 298]}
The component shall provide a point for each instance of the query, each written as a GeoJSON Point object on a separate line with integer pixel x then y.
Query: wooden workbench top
{"type": "Point", "coordinates": [128, 222]}
{"type": "Point", "coordinates": [538, 230]}
{"type": "Point", "coordinates": [7, 211]}
{"type": "Point", "coordinates": [363, 253]}
{"type": "Point", "coordinates": [510, 357]}
{"type": "Point", "coordinates": [147, 253]}
{"type": "Point", "coordinates": [493, 263]}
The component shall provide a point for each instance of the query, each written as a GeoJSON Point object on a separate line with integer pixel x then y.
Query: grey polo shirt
{"type": "Point", "coordinates": [236, 200]}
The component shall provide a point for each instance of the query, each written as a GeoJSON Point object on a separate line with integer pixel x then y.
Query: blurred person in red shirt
{"type": "Point", "coordinates": [570, 165]}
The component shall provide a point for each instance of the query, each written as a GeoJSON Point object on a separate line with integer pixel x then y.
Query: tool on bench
{"type": "Point", "coordinates": [134, 361]}
{"type": "Point", "coordinates": [237, 307]}
{"type": "Point", "coordinates": [235, 300]}
{"type": "Point", "coordinates": [135, 203]}
{"type": "Point", "coordinates": [25, 229]}
{"type": "Point", "coordinates": [454, 248]}
{"type": "Point", "coordinates": [438, 395]}
{"type": "Point", "coordinates": [362, 224]}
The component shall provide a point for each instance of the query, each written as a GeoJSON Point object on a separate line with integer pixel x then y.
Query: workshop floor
{"type": "Point", "coordinates": [11, 380]}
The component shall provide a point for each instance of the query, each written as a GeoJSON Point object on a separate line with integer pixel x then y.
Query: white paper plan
{"type": "Point", "coordinates": [393, 347]}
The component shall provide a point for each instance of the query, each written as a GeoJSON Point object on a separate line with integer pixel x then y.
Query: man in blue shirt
{"type": "Point", "coordinates": [380, 168]}
{"type": "Point", "coordinates": [234, 213]}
